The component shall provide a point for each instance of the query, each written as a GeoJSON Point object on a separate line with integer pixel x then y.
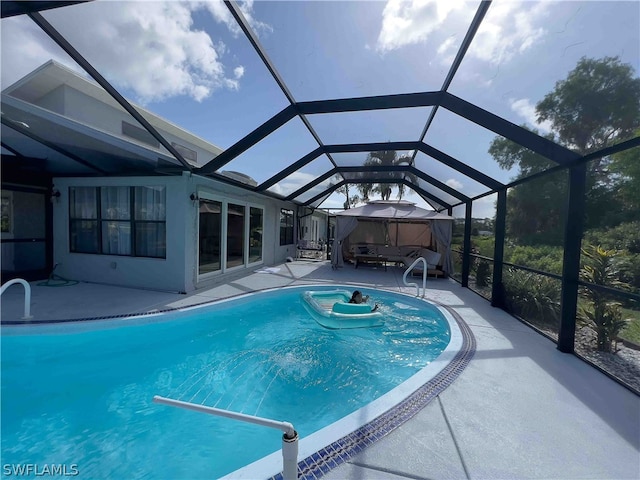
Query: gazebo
{"type": "Point", "coordinates": [394, 223]}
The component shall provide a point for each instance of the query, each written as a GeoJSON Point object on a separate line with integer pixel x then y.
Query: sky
{"type": "Point", "coordinates": [191, 64]}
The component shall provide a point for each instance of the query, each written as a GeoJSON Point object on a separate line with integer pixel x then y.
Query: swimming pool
{"type": "Point", "coordinates": [81, 395]}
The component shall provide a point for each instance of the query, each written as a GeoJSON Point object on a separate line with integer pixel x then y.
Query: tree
{"type": "Point", "coordinates": [365, 189]}
{"type": "Point", "coordinates": [626, 165]}
{"type": "Point", "coordinates": [596, 106]}
{"type": "Point", "coordinates": [535, 209]}
{"type": "Point", "coordinates": [386, 158]}
{"type": "Point", "coordinates": [598, 103]}
{"type": "Point", "coordinates": [351, 200]}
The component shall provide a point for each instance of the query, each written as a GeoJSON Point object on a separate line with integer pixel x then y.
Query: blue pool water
{"type": "Point", "coordinates": [84, 398]}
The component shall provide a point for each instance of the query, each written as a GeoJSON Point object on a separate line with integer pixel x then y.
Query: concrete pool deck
{"type": "Point", "coordinates": [520, 409]}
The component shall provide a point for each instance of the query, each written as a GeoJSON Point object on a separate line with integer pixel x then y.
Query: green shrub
{"type": "Point", "coordinates": [535, 298]}
{"type": "Point", "coordinates": [484, 245]}
{"type": "Point", "coordinates": [622, 237]}
{"type": "Point", "coordinates": [632, 331]}
{"type": "Point", "coordinates": [483, 274]}
{"type": "Point", "coordinates": [602, 315]}
{"type": "Point", "coordinates": [629, 271]}
{"type": "Point", "coordinates": [625, 240]}
{"type": "Point", "coordinates": [542, 257]}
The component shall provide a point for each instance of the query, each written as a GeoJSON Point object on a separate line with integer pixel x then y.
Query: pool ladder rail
{"type": "Point", "coordinates": [27, 295]}
{"type": "Point", "coordinates": [424, 276]}
{"type": "Point", "coordinates": [289, 437]}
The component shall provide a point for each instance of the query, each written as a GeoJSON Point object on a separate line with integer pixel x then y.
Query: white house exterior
{"type": "Point", "coordinates": [313, 226]}
{"type": "Point", "coordinates": [173, 232]}
{"type": "Point", "coordinates": [60, 90]}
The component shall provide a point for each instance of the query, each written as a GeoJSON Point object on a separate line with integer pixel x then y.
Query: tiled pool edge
{"type": "Point", "coordinates": [340, 451]}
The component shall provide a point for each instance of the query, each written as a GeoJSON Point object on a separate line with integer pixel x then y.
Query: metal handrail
{"type": "Point", "coordinates": [27, 295]}
{"type": "Point", "coordinates": [289, 438]}
{"type": "Point", "coordinates": [424, 276]}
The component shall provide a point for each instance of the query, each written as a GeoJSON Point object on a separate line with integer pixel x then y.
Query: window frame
{"type": "Point", "coordinates": [9, 212]}
{"type": "Point", "coordinates": [287, 227]}
{"type": "Point", "coordinates": [99, 221]}
{"type": "Point", "coordinates": [245, 221]}
{"type": "Point", "coordinates": [209, 196]}
{"type": "Point", "coordinates": [262, 209]}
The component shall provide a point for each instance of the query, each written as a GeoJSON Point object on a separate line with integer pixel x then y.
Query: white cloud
{"type": "Point", "coordinates": [150, 48]}
{"type": "Point", "coordinates": [29, 49]}
{"type": "Point", "coordinates": [221, 14]}
{"type": "Point", "coordinates": [334, 201]}
{"type": "Point", "coordinates": [527, 111]}
{"type": "Point", "coordinates": [485, 207]}
{"type": "Point", "coordinates": [508, 29]}
{"type": "Point", "coordinates": [406, 23]}
{"type": "Point", "coordinates": [238, 72]}
{"type": "Point", "coordinates": [453, 183]}
{"type": "Point", "coordinates": [447, 50]}
{"type": "Point", "coordinates": [296, 181]}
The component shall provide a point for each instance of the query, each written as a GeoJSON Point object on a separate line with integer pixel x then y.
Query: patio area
{"type": "Point", "coordinates": [520, 409]}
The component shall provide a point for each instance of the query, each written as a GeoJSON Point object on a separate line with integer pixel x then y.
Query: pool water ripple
{"type": "Point", "coordinates": [92, 403]}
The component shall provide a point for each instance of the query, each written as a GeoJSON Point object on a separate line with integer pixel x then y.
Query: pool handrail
{"type": "Point", "coordinates": [424, 276]}
{"type": "Point", "coordinates": [27, 295]}
{"type": "Point", "coordinates": [289, 437]}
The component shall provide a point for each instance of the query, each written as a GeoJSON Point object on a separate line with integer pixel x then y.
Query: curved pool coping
{"type": "Point", "coordinates": [336, 443]}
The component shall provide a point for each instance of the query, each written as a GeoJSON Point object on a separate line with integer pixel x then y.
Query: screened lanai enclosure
{"type": "Point", "coordinates": [519, 119]}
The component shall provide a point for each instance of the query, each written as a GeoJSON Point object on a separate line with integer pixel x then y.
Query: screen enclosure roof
{"type": "Point", "coordinates": [310, 99]}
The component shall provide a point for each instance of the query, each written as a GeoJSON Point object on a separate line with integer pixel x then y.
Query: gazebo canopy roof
{"type": "Point", "coordinates": [398, 210]}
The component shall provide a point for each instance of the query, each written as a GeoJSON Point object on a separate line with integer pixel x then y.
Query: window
{"type": "Point", "coordinates": [286, 227]}
{"type": "Point", "coordinates": [7, 214]}
{"type": "Point", "coordinates": [187, 153]}
{"type": "Point", "coordinates": [115, 216]}
{"type": "Point", "coordinates": [139, 134]}
{"type": "Point", "coordinates": [83, 220]}
{"type": "Point", "coordinates": [118, 221]}
{"type": "Point", "coordinates": [150, 222]}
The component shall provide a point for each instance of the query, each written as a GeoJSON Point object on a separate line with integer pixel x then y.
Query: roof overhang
{"type": "Point", "coordinates": [70, 148]}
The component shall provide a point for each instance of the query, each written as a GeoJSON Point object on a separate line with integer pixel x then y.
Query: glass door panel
{"type": "Point", "coordinates": [210, 236]}
{"type": "Point", "coordinates": [255, 234]}
{"type": "Point", "coordinates": [235, 235]}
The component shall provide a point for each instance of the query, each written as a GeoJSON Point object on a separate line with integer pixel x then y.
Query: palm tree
{"type": "Point", "coordinates": [365, 189]}
{"type": "Point", "coordinates": [352, 200]}
{"type": "Point", "coordinates": [384, 158]}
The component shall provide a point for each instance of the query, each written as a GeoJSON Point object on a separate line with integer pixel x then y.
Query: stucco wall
{"type": "Point", "coordinates": [53, 100]}
{"type": "Point", "coordinates": [90, 111]}
{"type": "Point", "coordinates": [154, 273]}
{"type": "Point", "coordinates": [179, 271]}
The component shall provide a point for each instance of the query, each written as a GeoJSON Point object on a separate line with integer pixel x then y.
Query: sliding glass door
{"type": "Point", "coordinates": [210, 237]}
{"type": "Point", "coordinates": [256, 220]}
{"type": "Point", "coordinates": [235, 235]}
{"type": "Point", "coordinates": [230, 235]}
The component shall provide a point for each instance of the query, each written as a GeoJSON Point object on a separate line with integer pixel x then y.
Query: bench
{"type": "Point", "coordinates": [370, 258]}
